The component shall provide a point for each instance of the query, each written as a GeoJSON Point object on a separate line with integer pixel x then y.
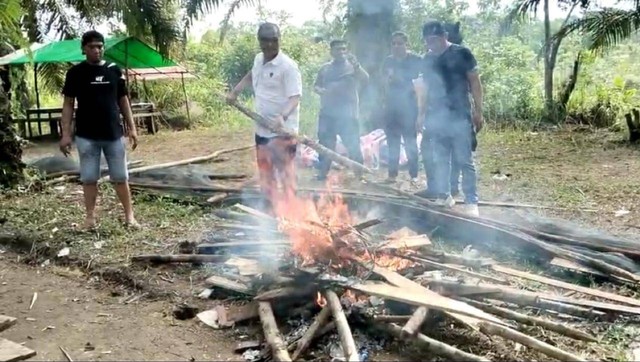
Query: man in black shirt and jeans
{"type": "Point", "coordinates": [100, 90]}
{"type": "Point", "coordinates": [400, 69]}
{"type": "Point", "coordinates": [450, 75]}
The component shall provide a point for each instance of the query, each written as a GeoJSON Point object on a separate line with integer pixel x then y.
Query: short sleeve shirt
{"type": "Point", "coordinates": [445, 75]}
{"type": "Point", "coordinates": [97, 88]}
{"type": "Point", "coordinates": [399, 75]}
{"type": "Point", "coordinates": [274, 82]}
{"type": "Point", "coordinates": [340, 99]}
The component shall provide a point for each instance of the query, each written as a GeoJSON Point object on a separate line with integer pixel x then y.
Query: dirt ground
{"type": "Point", "coordinates": [73, 312]}
{"type": "Point", "coordinates": [583, 169]}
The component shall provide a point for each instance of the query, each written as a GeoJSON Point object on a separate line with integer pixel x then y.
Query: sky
{"type": "Point", "coordinates": [300, 11]}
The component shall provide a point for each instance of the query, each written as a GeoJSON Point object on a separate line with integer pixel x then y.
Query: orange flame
{"type": "Point", "coordinates": [310, 225]}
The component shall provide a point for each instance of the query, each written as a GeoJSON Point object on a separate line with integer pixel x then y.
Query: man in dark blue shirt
{"type": "Point", "coordinates": [99, 88]}
{"type": "Point", "coordinates": [450, 117]}
{"type": "Point", "coordinates": [337, 84]}
{"type": "Point", "coordinates": [399, 70]}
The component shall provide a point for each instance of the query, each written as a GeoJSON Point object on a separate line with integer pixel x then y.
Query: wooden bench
{"type": "Point", "coordinates": [39, 116]}
{"type": "Point", "coordinates": [146, 115]}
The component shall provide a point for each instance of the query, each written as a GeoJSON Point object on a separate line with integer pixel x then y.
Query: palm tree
{"type": "Point", "coordinates": [553, 109]}
{"type": "Point", "coordinates": [606, 27]}
{"type": "Point", "coordinates": [11, 165]}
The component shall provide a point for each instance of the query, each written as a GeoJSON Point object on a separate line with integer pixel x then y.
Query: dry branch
{"type": "Point", "coordinates": [438, 347]}
{"type": "Point", "coordinates": [332, 155]}
{"type": "Point", "coordinates": [180, 258]}
{"type": "Point", "coordinates": [568, 286]}
{"type": "Point", "coordinates": [533, 321]}
{"type": "Point", "coordinates": [272, 333]}
{"type": "Point", "coordinates": [392, 318]}
{"type": "Point", "coordinates": [344, 331]}
{"type": "Point", "coordinates": [198, 159]}
{"type": "Point", "coordinates": [228, 284]}
{"type": "Point", "coordinates": [523, 339]}
{"type": "Point", "coordinates": [217, 198]}
{"type": "Point", "coordinates": [310, 334]}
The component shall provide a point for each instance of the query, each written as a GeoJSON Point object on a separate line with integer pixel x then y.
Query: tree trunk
{"type": "Point", "coordinates": [370, 24]}
{"type": "Point", "coordinates": [548, 66]}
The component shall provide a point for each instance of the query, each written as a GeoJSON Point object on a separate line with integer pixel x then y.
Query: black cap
{"type": "Point", "coordinates": [433, 28]}
{"type": "Point", "coordinates": [268, 30]}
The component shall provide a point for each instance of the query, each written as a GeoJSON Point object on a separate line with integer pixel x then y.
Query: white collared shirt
{"type": "Point", "coordinates": [274, 83]}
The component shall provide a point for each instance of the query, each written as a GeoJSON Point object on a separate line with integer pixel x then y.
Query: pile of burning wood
{"type": "Point", "coordinates": [316, 255]}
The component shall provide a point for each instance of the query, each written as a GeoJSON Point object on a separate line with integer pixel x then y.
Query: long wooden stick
{"type": "Point", "coordinates": [565, 285]}
{"type": "Point", "coordinates": [332, 155]}
{"type": "Point", "coordinates": [344, 331]}
{"type": "Point", "coordinates": [533, 321]}
{"type": "Point", "coordinates": [310, 334]}
{"type": "Point", "coordinates": [272, 333]}
{"type": "Point", "coordinates": [523, 339]}
{"type": "Point", "coordinates": [198, 159]}
{"type": "Point", "coordinates": [456, 269]}
{"type": "Point", "coordinates": [438, 347]}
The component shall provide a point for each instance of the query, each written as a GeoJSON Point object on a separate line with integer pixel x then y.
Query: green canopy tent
{"type": "Point", "coordinates": [127, 52]}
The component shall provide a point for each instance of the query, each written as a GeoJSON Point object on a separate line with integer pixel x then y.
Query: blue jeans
{"type": "Point", "coordinates": [446, 143]}
{"type": "Point", "coordinates": [89, 152]}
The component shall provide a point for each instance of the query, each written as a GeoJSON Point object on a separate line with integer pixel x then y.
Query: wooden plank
{"type": "Point", "coordinates": [6, 322]}
{"type": "Point", "coordinates": [407, 242]}
{"type": "Point", "coordinates": [410, 292]}
{"type": "Point", "coordinates": [11, 351]}
{"type": "Point", "coordinates": [565, 285]}
{"type": "Point", "coordinates": [224, 283]}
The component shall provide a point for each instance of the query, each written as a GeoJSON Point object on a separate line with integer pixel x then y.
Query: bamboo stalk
{"type": "Point", "coordinates": [344, 331]}
{"type": "Point", "coordinates": [533, 321]}
{"type": "Point", "coordinates": [272, 333]}
{"type": "Point", "coordinates": [439, 348]}
{"type": "Point", "coordinates": [523, 339]}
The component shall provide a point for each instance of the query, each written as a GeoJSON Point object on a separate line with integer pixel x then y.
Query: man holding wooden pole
{"type": "Point", "coordinates": [277, 86]}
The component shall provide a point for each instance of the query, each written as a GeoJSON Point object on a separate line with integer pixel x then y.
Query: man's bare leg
{"type": "Point", "coordinates": [90, 191]}
{"type": "Point", "coordinates": [124, 195]}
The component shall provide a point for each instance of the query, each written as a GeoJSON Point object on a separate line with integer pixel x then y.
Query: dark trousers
{"type": "Point", "coordinates": [331, 126]}
{"type": "Point", "coordinates": [400, 124]}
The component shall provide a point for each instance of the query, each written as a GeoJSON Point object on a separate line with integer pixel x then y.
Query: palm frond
{"type": "Point", "coordinates": [51, 76]}
{"type": "Point", "coordinates": [152, 19]}
{"type": "Point", "coordinates": [604, 28]}
{"type": "Point", "coordinates": [60, 20]}
{"type": "Point", "coordinates": [10, 13]}
{"type": "Point", "coordinates": [518, 11]}
{"type": "Point", "coordinates": [235, 5]}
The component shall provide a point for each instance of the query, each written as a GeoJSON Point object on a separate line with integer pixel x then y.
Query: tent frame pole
{"type": "Point", "coordinates": [186, 98]}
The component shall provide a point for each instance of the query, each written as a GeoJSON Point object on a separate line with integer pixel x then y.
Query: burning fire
{"type": "Point", "coordinates": [312, 226]}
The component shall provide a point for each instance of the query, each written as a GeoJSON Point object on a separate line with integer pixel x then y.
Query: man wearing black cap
{"type": "Point", "coordinates": [277, 87]}
{"type": "Point", "coordinates": [450, 75]}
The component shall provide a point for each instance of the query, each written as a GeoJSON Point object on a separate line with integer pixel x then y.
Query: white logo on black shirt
{"type": "Point", "coordinates": [99, 80]}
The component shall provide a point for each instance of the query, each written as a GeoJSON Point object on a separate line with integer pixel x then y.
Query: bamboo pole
{"type": "Point", "coordinates": [272, 333]}
{"type": "Point", "coordinates": [344, 331]}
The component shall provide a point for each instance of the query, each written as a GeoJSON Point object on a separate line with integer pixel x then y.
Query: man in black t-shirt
{"type": "Point", "coordinates": [99, 88]}
{"type": "Point", "coordinates": [450, 118]}
{"type": "Point", "coordinates": [399, 70]}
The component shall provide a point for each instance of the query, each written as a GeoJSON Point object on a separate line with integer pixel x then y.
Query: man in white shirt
{"type": "Point", "coordinates": [277, 86]}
